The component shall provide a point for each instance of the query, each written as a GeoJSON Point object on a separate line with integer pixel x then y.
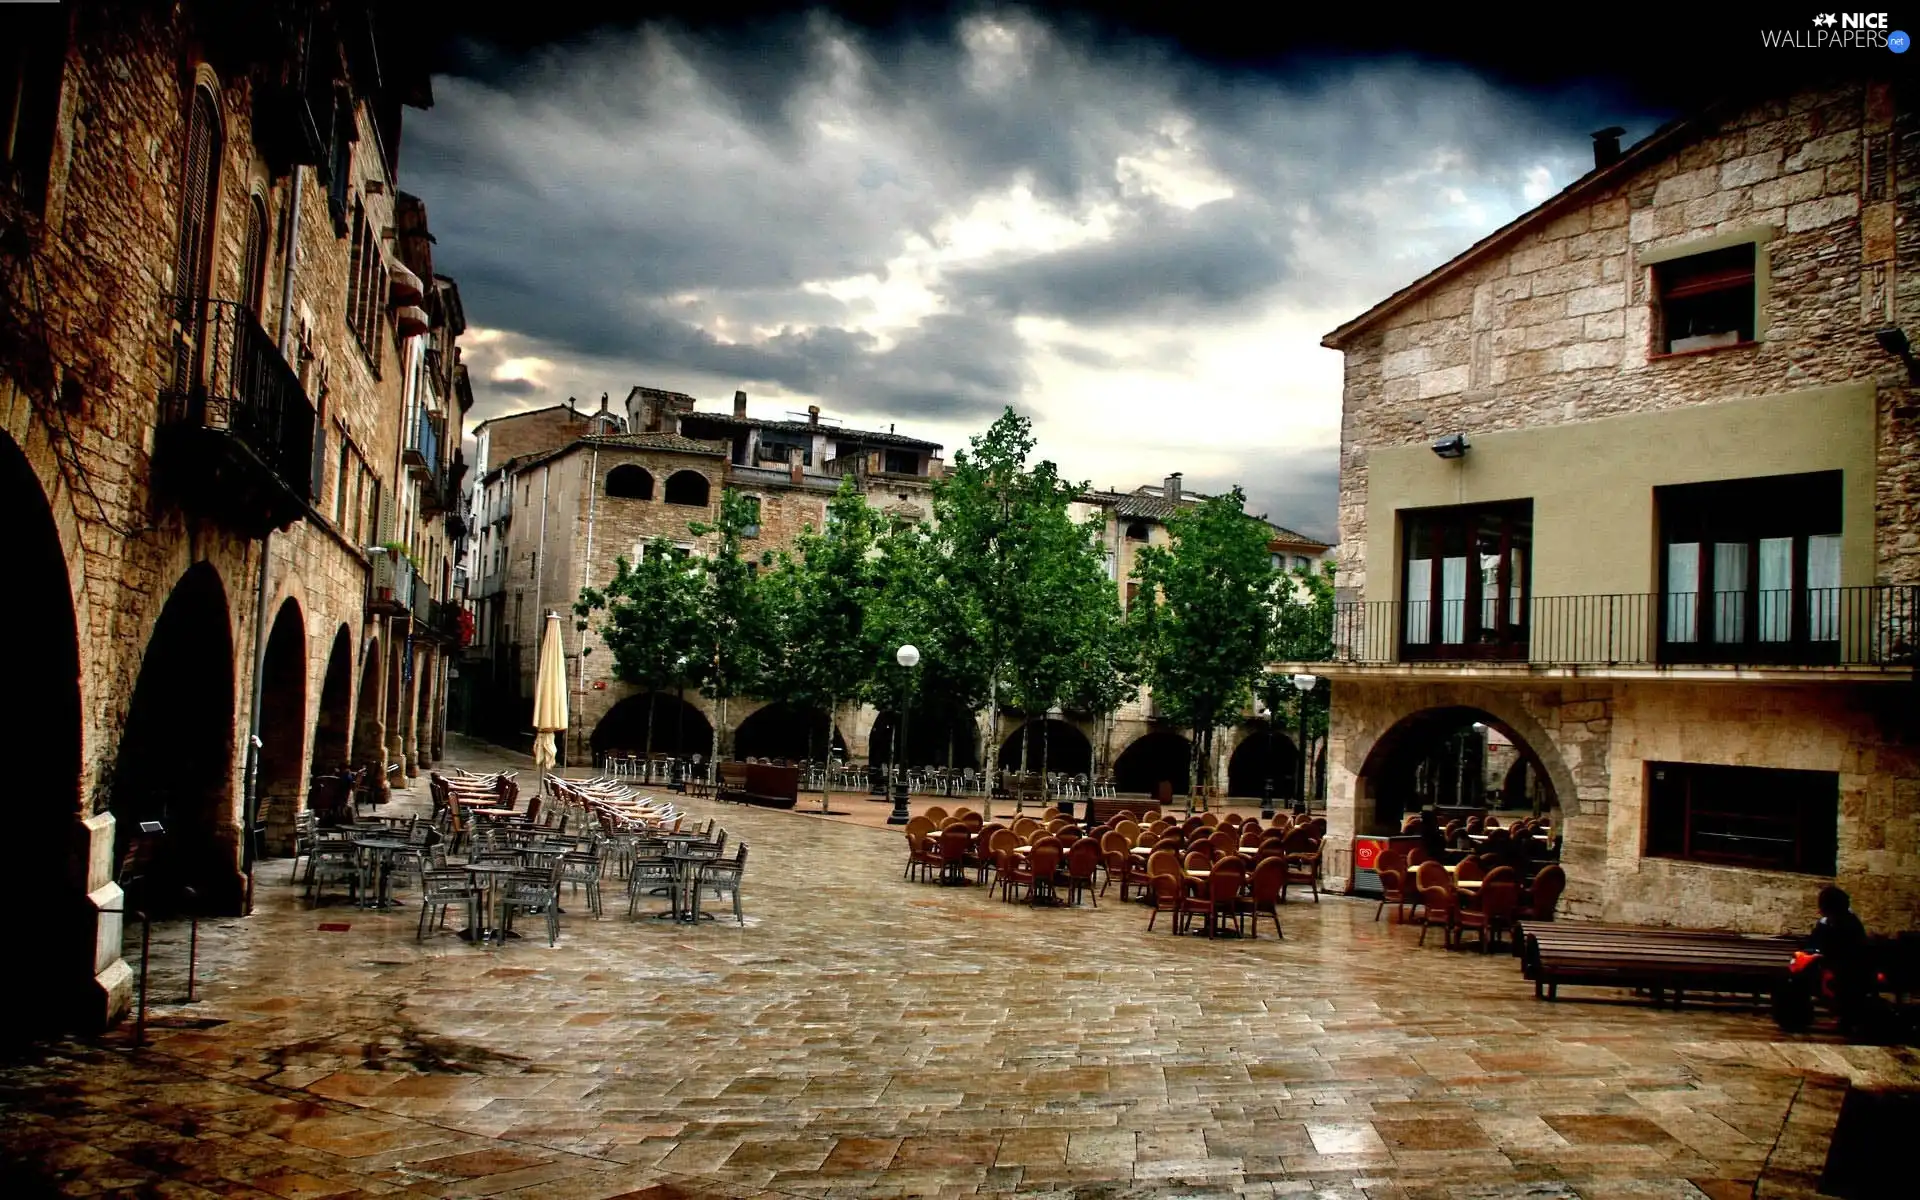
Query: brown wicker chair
{"type": "Point", "coordinates": [1392, 868]}
{"type": "Point", "coordinates": [1269, 876]}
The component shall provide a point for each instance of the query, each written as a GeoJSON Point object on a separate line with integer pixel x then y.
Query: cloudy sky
{"type": "Point", "coordinates": [1138, 247]}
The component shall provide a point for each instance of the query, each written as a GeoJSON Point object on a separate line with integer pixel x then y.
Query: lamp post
{"type": "Point", "coordinates": [1305, 684]}
{"type": "Point", "coordinates": [907, 656]}
{"type": "Point", "coordinates": [1266, 789]}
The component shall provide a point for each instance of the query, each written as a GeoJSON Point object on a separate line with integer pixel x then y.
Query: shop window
{"type": "Point", "coordinates": [1769, 818]}
{"type": "Point", "coordinates": [1706, 301]}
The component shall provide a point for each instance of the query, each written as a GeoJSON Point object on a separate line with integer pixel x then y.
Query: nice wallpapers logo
{"type": "Point", "coordinates": [1839, 31]}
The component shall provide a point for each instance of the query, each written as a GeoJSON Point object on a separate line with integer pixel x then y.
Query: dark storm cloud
{"type": "Point", "coordinates": [673, 202]}
{"type": "Point", "coordinates": [1173, 263]}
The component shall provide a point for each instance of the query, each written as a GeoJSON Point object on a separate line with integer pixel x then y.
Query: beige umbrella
{"type": "Point", "coordinates": [549, 694]}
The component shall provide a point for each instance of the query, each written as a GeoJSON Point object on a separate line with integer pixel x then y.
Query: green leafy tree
{"type": "Point", "coordinates": [819, 601]}
{"type": "Point", "coordinates": [1108, 671]}
{"type": "Point", "coordinates": [736, 624]}
{"type": "Point", "coordinates": [925, 601]}
{"type": "Point", "coordinates": [1009, 549]}
{"type": "Point", "coordinates": [648, 620]}
{"type": "Point", "coordinates": [1207, 633]}
{"type": "Point", "coordinates": [1303, 633]}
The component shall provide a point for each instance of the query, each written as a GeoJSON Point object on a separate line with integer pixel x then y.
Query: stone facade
{"type": "Point", "coordinates": [1553, 323]}
{"type": "Point", "coordinates": [178, 605]}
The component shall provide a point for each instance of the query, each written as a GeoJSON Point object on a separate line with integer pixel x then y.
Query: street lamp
{"type": "Point", "coordinates": [1266, 789]}
{"type": "Point", "coordinates": [907, 656]}
{"type": "Point", "coordinates": [1305, 684]}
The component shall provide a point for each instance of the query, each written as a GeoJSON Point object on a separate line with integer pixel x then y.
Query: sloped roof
{"type": "Point", "coordinates": [671, 442]}
{"type": "Point", "coordinates": [837, 432]}
{"type": "Point", "coordinates": [1651, 149]}
{"type": "Point", "coordinates": [1147, 503]}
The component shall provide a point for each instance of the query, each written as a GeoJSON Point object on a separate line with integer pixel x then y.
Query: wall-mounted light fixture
{"type": "Point", "coordinates": [1893, 340]}
{"type": "Point", "coordinates": [1453, 447]}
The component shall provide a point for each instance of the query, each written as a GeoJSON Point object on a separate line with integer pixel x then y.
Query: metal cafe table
{"type": "Point", "coordinates": [488, 876]}
{"type": "Point", "coordinates": [378, 852]}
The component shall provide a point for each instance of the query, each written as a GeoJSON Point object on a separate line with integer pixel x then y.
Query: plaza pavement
{"type": "Point", "coordinates": [868, 1036]}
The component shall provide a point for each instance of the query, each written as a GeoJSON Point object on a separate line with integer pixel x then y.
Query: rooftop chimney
{"type": "Point", "coordinates": [740, 406]}
{"type": "Point", "coordinates": [1172, 490]}
{"type": "Point", "coordinates": [603, 402]}
{"type": "Point", "coordinates": [813, 414]}
{"type": "Point", "coordinates": [1606, 146]}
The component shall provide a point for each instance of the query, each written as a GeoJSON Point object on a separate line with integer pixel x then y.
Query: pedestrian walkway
{"type": "Point", "coordinates": [868, 1036]}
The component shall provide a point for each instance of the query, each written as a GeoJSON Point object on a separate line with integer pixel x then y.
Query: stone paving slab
{"type": "Point", "coordinates": [864, 1035]}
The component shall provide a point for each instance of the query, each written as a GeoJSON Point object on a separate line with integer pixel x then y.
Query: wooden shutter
{"type": "Point", "coordinates": [193, 254]}
{"type": "Point", "coordinates": [253, 269]}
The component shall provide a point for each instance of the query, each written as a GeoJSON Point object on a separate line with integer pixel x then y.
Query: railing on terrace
{"type": "Point", "coordinates": [1875, 626]}
{"type": "Point", "coordinates": [423, 444]}
{"type": "Point", "coordinates": [229, 376]}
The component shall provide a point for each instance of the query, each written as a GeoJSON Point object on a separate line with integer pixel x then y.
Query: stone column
{"type": "Point", "coordinates": [1344, 800]}
{"type": "Point", "coordinates": [396, 703]}
{"type": "Point", "coordinates": [410, 698]}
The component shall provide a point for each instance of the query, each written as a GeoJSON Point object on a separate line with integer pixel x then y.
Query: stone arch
{"type": "Point", "coordinates": [1151, 759]}
{"type": "Point", "coordinates": [175, 762]}
{"type": "Point", "coordinates": [369, 730]}
{"type": "Point", "coordinates": [1264, 754]}
{"type": "Point", "coordinates": [679, 727]}
{"type": "Point", "coordinates": [630, 481]}
{"type": "Point", "coordinates": [333, 722]}
{"type": "Point", "coordinates": [1063, 746]}
{"type": "Point", "coordinates": [935, 738]}
{"type": "Point", "coordinates": [786, 731]}
{"type": "Point", "coordinates": [687, 487]}
{"type": "Point", "coordinates": [1386, 766]}
{"type": "Point", "coordinates": [56, 942]}
{"type": "Point", "coordinates": [278, 771]}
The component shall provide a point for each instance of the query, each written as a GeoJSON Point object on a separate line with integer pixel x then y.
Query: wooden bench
{"type": "Point", "coordinates": [1664, 962]}
{"type": "Point", "coordinates": [760, 784]}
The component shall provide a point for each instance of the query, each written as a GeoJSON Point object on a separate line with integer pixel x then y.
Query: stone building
{"type": "Point", "coordinates": [564, 492]}
{"type": "Point", "coordinates": [207, 351]}
{"type": "Point", "coordinates": [1635, 482]}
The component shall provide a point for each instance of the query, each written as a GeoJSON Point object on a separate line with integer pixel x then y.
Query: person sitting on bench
{"type": "Point", "coordinates": [1832, 964]}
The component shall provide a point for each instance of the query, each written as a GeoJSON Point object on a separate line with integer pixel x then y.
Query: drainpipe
{"type": "Point", "coordinates": [250, 802]}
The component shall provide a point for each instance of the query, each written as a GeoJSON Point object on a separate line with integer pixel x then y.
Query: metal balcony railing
{"type": "Point", "coordinates": [228, 378]}
{"type": "Point", "coordinates": [1876, 626]}
{"type": "Point", "coordinates": [423, 445]}
{"type": "Point", "coordinates": [391, 584]}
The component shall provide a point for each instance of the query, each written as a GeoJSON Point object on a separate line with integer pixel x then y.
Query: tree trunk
{"type": "Point", "coordinates": [826, 772]}
{"type": "Point", "coordinates": [993, 738]}
{"type": "Point", "coordinates": [652, 697]}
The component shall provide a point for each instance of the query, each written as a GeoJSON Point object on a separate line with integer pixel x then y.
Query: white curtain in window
{"type": "Point", "coordinates": [1729, 591]}
{"type": "Point", "coordinates": [1823, 587]}
{"type": "Point", "coordinates": [1776, 589]}
{"type": "Point", "coordinates": [1489, 591]}
{"type": "Point", "coordinates": [1683, 592]}
{"type": "Point", "coordinates": [1516, 586]}
{"type": "Point", "coordinates": [1419, 595]}
{"type": "Point", "coordinates": [1453, 600]}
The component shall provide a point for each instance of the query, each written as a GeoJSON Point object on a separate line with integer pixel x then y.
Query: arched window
{"type": "Point", "coordinates": [1137, 532]}
{"type": "Point", "coordinates": [253, 259]}
{"type": "Point", "coordinates": [629, 482]}
{"type": "Point", "coordinates": [199, 196]}
{"type": "Point", "coordinates": [687, 487]}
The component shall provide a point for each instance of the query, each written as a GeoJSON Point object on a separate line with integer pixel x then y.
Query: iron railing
{"type": "Point", "coordinates": [228, 375]}
{"type": "Point", "coordinates": [1875, 626]}
{"type": "Point", "coordinates": [423, 444]}
{"type": "Point", "coordinates": [391, 583]}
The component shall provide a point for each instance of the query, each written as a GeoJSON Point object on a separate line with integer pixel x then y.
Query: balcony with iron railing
{"type": "Point", "coordinates": [1854, 630]}
{"type": "Point", "coordinates": [500, 505]}
{"type": "Point", "coordinates": [236, 433]}
{"type": "Point", "coordinates": [423, 445]}
{"type": "Point", "coordinates": [390, 587]}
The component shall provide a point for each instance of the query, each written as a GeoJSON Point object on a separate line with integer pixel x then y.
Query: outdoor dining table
{"type": "Point", "coordinates": [489, 876]}
{"type": "Point", "coordinates": [380, 852]}
{"type": "Point", "coordinates": [680, 900]}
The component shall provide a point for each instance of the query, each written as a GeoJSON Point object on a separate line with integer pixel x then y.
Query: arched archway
{"type": "Point", "coordinates": [1051, 744]}
{"type": "Point", "coordinates": [938, 740]}
{"type": "Point", "coordinates": [1436, 756]}
{"type": "Point", "coordinates": [679, 728]}
{"type": "Point", "coordinates": [686, 487]}
{"type": "Point", "coordinates": [283, 721]}
{"type": "Point", "coordinates": [630, 481]}
{"type": "Point", "coordinates": [1264, 754]}
{"type": "Point", "coordinates": [56, 941]}
{"type": "Point", "coordinates": [369, 731]}
{"type": "Point", "coordinates": [175, 765]}
{"type": "Point", "coordinates": [333, 725]}
{"type": "Point", "coordinates": [786, 731]}
{"type": "Point", "coordinates": [1153, 759]}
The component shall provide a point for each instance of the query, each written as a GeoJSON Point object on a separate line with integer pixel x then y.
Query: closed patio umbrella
{"type": "Point", "coordinates": [549, 695]}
